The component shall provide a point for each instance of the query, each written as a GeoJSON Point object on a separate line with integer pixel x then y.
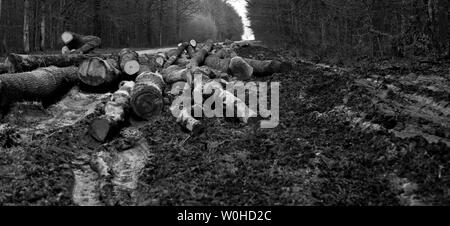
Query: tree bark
{"type": "Point", "coordinates": [116, 112]}
{"type": "Point", "coordinates": [43, 24]}
{"type": "Point", "coordinates": [44, 84]}
{"type": "Point", "coordinates": [147, 96]}
{"type": "Point", "coordinates": [24, 63]}
{"type": "Point", "coordinates": [26, 26]}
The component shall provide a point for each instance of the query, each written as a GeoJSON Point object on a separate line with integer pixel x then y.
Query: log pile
{"type": "Point", "coordinates": [144, 81]}
{"type": "Point", "coordinates": [116, 112]}
{"type": "Point", "coordinates": [79, 44]}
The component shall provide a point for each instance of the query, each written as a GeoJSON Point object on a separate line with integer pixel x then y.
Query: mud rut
{"type": "Point", "coordinates": [347, 137]}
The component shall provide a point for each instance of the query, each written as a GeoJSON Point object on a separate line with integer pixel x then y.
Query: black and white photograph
{"type": "Point", "coordinates": [224, 103]}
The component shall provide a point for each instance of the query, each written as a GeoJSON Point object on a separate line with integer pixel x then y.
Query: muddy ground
{"type": "Point", "coordinates": [376, 134]}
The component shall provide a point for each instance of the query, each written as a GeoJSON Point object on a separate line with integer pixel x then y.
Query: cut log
{"type": "Point", "coordinates": [99, 73]}
{"type": "Point", "coordinates": [147, 96]}
{"type": "Point", "coordinates": [201, 55]}
{"type": "Point", "coordinates": [45, 85]}
{"type": "Point", "coordinates": [182, 62]}
{"type": "Point", "coordinates": [116, 112]}
{"type": "Point", "coordinates": [217, 63]}
{"type": "Point", "coordinates": [240, 69]}
{"type": "Point", "coordinates": [175, 73]}
{"type": "Point", "coordinates": [129, 62]}
{"type": "Point", "coordinates": [230, 101]}
{"type": "Point", "coordinates": [151, 63]}
{"type": "Point", "coordinates": [182, 113]}
{"type": "Point", "coordinates": [267, 67]}
{"type": "Point", "coordinates": [193, 43]}
{"type": "Point", "coordinates": [191, 51]}
{"type": "Point", "coordinates": [24, 63]}
{"type": "Point", "coordinates": [175, 55]}
{"type": "Point", "coordinates": [80, 43]}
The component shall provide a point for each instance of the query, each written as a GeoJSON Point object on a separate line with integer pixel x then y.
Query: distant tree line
{"type": "Point", "coordinates": [354, 28]}
{"type": "Point", "coordinates": [36, 25]}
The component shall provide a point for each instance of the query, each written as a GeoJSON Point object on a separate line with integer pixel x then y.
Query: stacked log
{"type": "Point", "coordinates": [129, 62]}
{"type": "Point", "coordinates": [44, 85]}
{"type": "Point", "coordinates": [100, 74]}
{"type": "Point", "coordinates": [23, 63]}
{"type": "Point", "coordinates": [191, 48]}
{"type": "Point", "coordinates": [176, 54]}
{"type": "Point", "coordinates": [147, 96]}
{"type": "Point", "coordinates": [201, 55]}
{"type": "Point", "coordinates": [214, 88]}
{"type": "Point", "coordinates": [152, 63]}
{"type": "Point", "coordinates": [175, 73]}
{"type": "Point", "coordinates": [181, 92]}
{"type": "Point", "coordinates": [79, 44]}
{"type": "Point", "coordinates": [116, 112]}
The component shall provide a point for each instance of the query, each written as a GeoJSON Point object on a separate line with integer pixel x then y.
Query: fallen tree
{"type": "Point", "coordinates": [147, 96]}
{"type": "Point", "coordinates": [44, 85]}
{"type": "Point", "coordinates": [79, 44]}
{"type": "Point", "coordinates": [116, 112]}
{"type": "Point", "coordinates": [24, 63]}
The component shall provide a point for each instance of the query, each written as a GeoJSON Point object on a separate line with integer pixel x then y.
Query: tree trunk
{"type": "Point", "coordinates": [23, 63]}
{"type": "Point", "coordinates": [97, 18]}
{"type": "Point", "coordinates": [116, 112]}
{"type": "Point", "coordinates": [44, 84]}
{"type": "Point", "coordinates": [26, 26]}
{"type": "Point", "coordinates": [147, 96]}
{"type": "Point", "coordinates": [161, 13]}
{"type": "Point", "coordinates": [43, 24]}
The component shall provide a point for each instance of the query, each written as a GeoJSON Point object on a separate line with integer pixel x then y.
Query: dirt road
{"type": "Point", "coordinates": [374, 135]}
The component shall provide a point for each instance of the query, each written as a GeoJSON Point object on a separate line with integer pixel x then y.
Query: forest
{"type": "Point", "coordinates": [36, 25]}
{"type": "Point", "coordinates": [354, 28]}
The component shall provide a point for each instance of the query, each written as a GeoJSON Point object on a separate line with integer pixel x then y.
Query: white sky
{"type": "Point", "coordinates": [240, 6]}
